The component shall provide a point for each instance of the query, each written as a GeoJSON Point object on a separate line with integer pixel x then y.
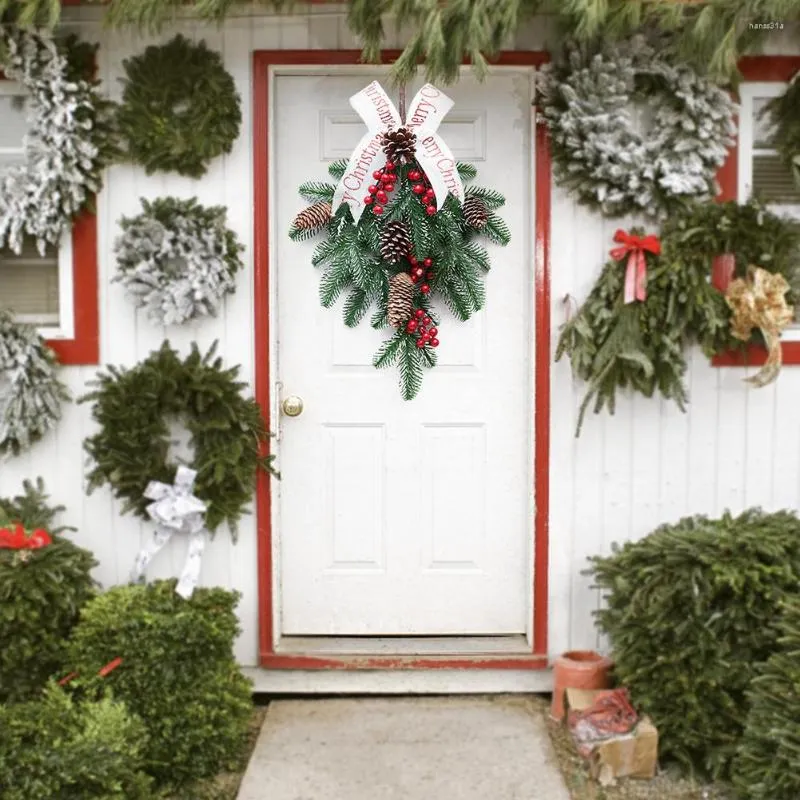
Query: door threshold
{"type": "Point", "coordinates": [404, 645]}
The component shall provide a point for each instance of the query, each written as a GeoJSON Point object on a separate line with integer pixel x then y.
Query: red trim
{"type": "Point", "coordinates": [84, 347]}
{"type": "Point", "coordinates": [537, 658]}
{"type": "Point", "coordinates": [753, 69]}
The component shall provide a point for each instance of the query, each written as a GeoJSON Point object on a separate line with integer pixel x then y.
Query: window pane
{"type": "Point", "coordinates": [29, 285]}
{"type": "Point", "coordinates": [773, 181]}
{"type": "Point", "coordinates": [762, 130]}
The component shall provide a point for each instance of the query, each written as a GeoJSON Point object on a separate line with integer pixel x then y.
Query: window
{"type": "Point", "coordinates": [755, 169]}
{"type": "Point", "coordinates": [57, 291]}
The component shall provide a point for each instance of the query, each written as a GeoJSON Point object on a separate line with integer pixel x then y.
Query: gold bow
{"type": "Point", "coordinates": [760, 302]}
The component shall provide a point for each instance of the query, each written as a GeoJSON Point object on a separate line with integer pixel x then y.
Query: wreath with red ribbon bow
{"type": "Point", "coordinates": [18, 539]}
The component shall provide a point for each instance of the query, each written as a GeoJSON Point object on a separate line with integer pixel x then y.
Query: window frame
{"type": "Point", "coordinates": [764, 74]}
{"type": "Point", "coordinates": [76, 340]}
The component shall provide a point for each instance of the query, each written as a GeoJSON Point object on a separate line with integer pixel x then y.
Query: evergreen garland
{"type": "Point", "coordinates": [767, 763]}
{"type": "Point", "coordinates": [598, 153]}
{"type": "Point", "coordinates": [133, 408]}
{"type": "Point", "coordinates": [445, 261]}
{"type": "Point", "coordinates": [67, 146]}
{"type": "Point", "coordinates": [177, 259]}
{"type": "Point", "coordinates": [783, 113]}
{"type": "Point", "coordinates": [180, 108]}
{"type": "Point", "coordinates": [641, 346]}
{"type": "Point", "coordinates": [30, 390]}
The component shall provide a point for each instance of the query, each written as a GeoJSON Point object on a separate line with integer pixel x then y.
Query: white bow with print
{"type": "Point", "coordinates": [425, 113]}
{"type": "Point", "coordinates": [176, 510]}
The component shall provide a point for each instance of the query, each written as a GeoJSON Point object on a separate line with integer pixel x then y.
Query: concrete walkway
{"type": "Point", "coordinates": [403, 749]}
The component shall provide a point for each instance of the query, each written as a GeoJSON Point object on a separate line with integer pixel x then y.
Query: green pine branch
{"type": "Point", "coordinates": [337, 168]}
{"type": "Point", "coordinates": [466, 171]}
{"type": "Point", "coordinates": [316, 191]}
{"type": "Point", "coordinates": [491, 198]}
{"type": "Point", "coordinates": [496, 230]}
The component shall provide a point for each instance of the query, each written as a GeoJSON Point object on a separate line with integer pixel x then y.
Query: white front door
{"type": "Point", "coordinates": [400, 518]}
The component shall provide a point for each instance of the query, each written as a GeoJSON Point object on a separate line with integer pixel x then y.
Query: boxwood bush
{"type": "Point", "coordinates": [178, 673]}
{"type": "Point", "coordinates": [767, 765]}
{"type": "Point", "coordinates": [690, 612]}
{"type": "Point", "coordinates": [54, 748]}
{"type": "Point", "coordinates": [41, 594]}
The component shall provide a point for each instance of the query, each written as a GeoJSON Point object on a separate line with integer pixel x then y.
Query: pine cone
{"type": "Point", "coordinates": [399, 145]}
{"type": "Point", "coordinates": [475, 212]}
{"type": "Point", "coordinates": [314, 217]}
{"type": "Point", "coordinates": [401, 296]}
{"type": "Point", "coordinates": [395, 241]}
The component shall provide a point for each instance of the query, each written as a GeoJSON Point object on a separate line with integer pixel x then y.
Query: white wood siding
{"type": "Point", "coordinates": [626, 474]}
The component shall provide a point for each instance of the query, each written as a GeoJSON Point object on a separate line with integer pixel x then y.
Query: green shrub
{"type": "Point", "coordinates": [177, 673]}
{"type": "Point", "coordinates": [767, 765]}
{"type": "Point", "coordinates": [690, 612]}
{"type": "Point", "coordinates": [41, 593]}
{"type": "Point", "coordinates": [54, 748]}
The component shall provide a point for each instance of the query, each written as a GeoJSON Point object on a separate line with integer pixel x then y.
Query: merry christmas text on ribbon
{"type": "Point", "coordinates": [425, 113]}
{"type": "Point", "coordinates": [635, 248]}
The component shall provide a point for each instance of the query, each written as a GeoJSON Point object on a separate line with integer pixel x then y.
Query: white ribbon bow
{"type": "Point", "coordinates": [175, 510]}
{"type": "Point", "coordinates": [425, 113]}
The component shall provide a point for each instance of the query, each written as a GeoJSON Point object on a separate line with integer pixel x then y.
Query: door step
{"type": "Point", "coordinates": [404, 645]}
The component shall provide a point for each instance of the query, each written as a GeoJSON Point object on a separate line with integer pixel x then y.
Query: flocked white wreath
{"type": "Point", "coordinates": [599, 152]}
{"type": "Point", "coordinates": [30, 391]}
{"type": "Point", "coordinates": [177, 259]}
{"type": "Point", "coordinates": [63, 155]}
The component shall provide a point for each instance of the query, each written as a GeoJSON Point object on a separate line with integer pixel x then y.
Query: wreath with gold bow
{"type": "Point", "coordinates": [655, 298]}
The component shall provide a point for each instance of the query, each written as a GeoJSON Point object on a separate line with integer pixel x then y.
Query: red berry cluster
{"type": "Point", "coordinates": [379, 193]}
{"type": "Point", "coordinates": [422, 188]}
{"type": "Point", "coordinates": [418, 273]}
{"type": "Point", "coordinates": [419, 324]}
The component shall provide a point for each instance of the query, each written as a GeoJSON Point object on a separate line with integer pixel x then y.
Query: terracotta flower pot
{"type": "Point", "coordinates": [578, 669]}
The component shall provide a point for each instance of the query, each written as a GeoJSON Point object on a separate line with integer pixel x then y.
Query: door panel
{"type": "Point", "coordinates": [404, 518]}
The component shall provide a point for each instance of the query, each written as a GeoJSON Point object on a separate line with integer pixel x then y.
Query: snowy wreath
{"type": "Point", "coordinates": [66, 147]}
{"type": "Point", "coordinates": [134, 408]}
{"type": "Point", "coordinates": [177, 259]}
{"type": "Point", "coordinates": [589, 103]}
{"type": "Point", "coordinates": [30, 391]}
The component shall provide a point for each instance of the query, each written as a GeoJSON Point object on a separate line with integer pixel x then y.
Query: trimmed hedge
{"type": "Point", "coordinates": [767, 765]}
{"type": "Point", "coordinates": [691, 611]}
{"type": "Point", "coordinates": [178, 673]}
{"type": "Point", "coordinates": [41, 594]}
{"type": "Point", "coordinates": [54, 748]}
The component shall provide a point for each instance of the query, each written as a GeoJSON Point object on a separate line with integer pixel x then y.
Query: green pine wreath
{"type": "Point", "coordinates": [180, 108]}
{"type": "Point", "coordinates": [134, 407]}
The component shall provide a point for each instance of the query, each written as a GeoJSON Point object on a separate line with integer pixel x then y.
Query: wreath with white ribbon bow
{"type": "Point", "coordinates": [30, 391]}
{"type": "Point", "coordinates": [599, 151]}
{"type": "Point", "coordinates": [65, 146]}
{"type": "Point", "coordinates": [177, 259]}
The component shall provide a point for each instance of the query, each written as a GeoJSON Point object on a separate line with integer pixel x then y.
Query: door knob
{"type": "Point", "coordinates": [292, 406]}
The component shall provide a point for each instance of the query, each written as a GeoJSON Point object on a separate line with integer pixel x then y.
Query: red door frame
{"type": "Point", "coordinates": [537, 658]}
{"type": "Point", "coordinates": [753, 69]}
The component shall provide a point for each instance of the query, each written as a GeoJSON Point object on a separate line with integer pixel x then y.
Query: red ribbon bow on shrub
{"type": "Point", "coordinates": [636, 271]}
{"type": "Point", "coordinates": [18, 540]}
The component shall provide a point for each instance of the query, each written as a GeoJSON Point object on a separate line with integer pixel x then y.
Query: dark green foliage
{"type": "Point", "coordinates": [783, 113]}
{"type": "Point", "coordinates": [641, 346]}
{"type": "Point", "coordinates": [134, 408]}
{"type": "Point", "coordinates": [177, 673]}
{"type": "Point", "coordinates": [180, 108]}
{"type": "Point", "coordinates": [353, 267]}
{"type": "Point", "coordinates": [54, 748]}
{"type": "Point", "coordinates": [41, 594]}
{"type": "Point", "coordinates": [767, 764]}
{"type": "Point", "coordinates": [691, 612]}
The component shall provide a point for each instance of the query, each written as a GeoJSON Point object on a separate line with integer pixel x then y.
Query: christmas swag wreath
{"type": "Point", "coordinates": [783, 113]}
{"type": "Point", "coordinates": [598, 151]}
{"type": "Point", "coordinates": [180, 108]}
{"type": "Point", "coordinates": [177, 259]}
{"type": "Point", "coordinates": [30, 391]}
{"type": "Point", "coordinates": [655, 297]}
{"type": "Point", "coordinates": [133, 408]}
{"type": "Point", "coordinates": [66, 147]}
{"type": "Point", "coordinates": [417, 240]}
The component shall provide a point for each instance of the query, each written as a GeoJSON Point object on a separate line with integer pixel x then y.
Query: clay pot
{"type": "Point", "coordinates": [578, 669]}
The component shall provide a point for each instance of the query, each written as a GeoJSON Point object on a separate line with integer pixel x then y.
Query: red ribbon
{"type": "Point", "coordinates": [19, 540]}
{"type": "Point", "coordinates": [635, 248]}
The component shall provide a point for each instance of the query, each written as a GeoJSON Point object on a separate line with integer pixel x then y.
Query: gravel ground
{"type": "Point", "coordinates": [665, 786]}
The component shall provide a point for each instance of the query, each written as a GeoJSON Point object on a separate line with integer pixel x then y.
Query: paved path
{"type": "Point", "coordinates": [403, 749]}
